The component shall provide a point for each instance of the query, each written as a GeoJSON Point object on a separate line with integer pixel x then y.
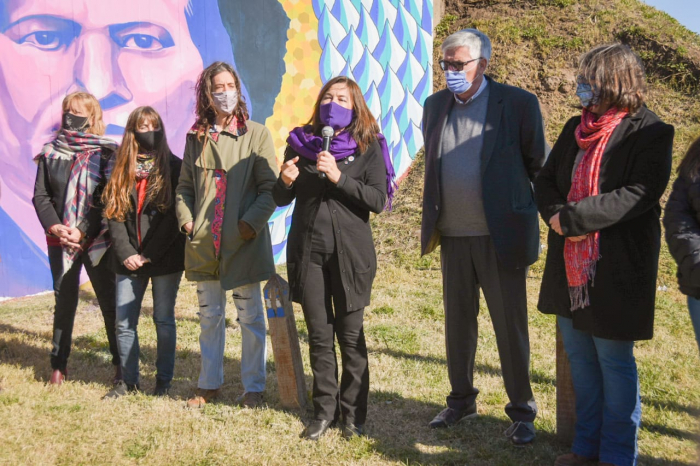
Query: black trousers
{"type": "Point", "coordinates": [324, 290]}
{"type": "Point", "coordinates": [65, 288]}
{"type": "Point", "coordinates": [470, 262]}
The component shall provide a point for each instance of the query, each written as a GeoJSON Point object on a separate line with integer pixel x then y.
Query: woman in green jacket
{"type": "Point", "coordinates": [224, 201]}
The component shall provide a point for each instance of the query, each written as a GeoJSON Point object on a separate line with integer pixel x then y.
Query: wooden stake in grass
{"type": "Point", "coordinates": [285, 344]}
{"type": "Point", "coordinates": [566, 398]}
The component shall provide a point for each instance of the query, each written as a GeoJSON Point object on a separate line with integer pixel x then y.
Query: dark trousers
{"type": "Point", "coordinates": [468, 263]}
{"type": "Point", "coordinates": [65, 288]}
{"type": "Point", "coordinates": [324, 290]}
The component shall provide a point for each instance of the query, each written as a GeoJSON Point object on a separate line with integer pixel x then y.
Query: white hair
{"type": "Point", "coordinates": [477, 42]}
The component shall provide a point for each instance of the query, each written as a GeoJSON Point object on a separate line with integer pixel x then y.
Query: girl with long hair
{"type": "Point", "coordinates": [228, 171]}
{"type": "Point", "coordinates": [147, 245]}
{"type": "Point", "coordinates": [682, 225]}
{"type": "Point", "coordinates": [71, 173]}
{"type": "Point", "coordinates": [331, 261]}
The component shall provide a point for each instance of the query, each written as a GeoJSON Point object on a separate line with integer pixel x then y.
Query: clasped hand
{"type": "Point", "coordinates": [135, 262]}
{"type": "Point", "coordinates": [556, 226]}
{"type": "Point", "coordinates": [70, 237]}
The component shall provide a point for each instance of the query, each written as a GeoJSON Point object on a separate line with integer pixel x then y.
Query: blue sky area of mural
{"type": "Point", "coordinates": [687, 12]}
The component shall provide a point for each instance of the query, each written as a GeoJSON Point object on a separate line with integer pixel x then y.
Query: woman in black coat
{"type": "Point", "coordinates": [147, 244]}
{"type": "Point", "coordinates": [599, 191]}
{"type": "Point", "coordinates": [682, 225]}
{"type": "Point", "coordinates": [331, 260]}
{"type": "Point", "coordinates": [71, 173]}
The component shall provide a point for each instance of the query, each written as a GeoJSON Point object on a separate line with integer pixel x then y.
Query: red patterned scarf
{"type": "Point", "coordinates": [85, 151]}
{"type": "Point", "coordinates": [237, 128]}
{"type": "Point", "coordinates": [580, 258]}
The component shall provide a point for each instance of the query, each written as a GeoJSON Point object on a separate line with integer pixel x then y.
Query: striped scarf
{"type": "Point", "coordinates": [580, 258]}
{"type": "Point", "coordinates": [85, 151]}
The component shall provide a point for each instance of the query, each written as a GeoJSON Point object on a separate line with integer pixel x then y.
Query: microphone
{"type": "Point", "coordinates": [327, 132]}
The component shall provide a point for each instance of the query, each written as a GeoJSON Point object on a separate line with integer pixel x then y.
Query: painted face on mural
{"type": "Point", "coordinates": [127, 53]}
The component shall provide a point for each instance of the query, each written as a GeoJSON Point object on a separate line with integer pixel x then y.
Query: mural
{"type": "Point", "coordinates": [130, 53]}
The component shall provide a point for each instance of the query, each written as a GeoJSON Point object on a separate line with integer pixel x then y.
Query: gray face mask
{"type": "Point", "coordinates": [226, 101]}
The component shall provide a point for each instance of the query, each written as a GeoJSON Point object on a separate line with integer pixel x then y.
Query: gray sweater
{"type": "Point", "coordinates": [462, 141]}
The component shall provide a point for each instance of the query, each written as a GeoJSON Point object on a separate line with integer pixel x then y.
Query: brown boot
{"type": "Point", "coordinates": [250, 400]}
{"type": "Point", "coordinates": [572, 459]}
{"type": "Point", "coordinates": [202, 397]}
{"type": "Point", "coordinates": [58, 377]}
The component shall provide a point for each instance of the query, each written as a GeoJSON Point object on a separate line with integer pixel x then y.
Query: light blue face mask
{"type": "Point", "coordinates": [586, 94]}
{"type": "Point", "coordinates": [457, 81]}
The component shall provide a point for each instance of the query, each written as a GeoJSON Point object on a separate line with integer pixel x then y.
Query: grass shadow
{"type": "Point", "coordinates": [401, 433]}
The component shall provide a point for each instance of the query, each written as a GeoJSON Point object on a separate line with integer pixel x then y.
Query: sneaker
{"type": "Point", "coordinates": [162, 388]}
{"type": "Point", "coordinates": [202, 397]}
{"type": "Point", "coordinates": [250, 400]}
{"type": "Point", "coordinates": [121, 389]}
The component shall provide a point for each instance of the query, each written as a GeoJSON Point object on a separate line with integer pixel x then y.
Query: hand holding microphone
{"type": "Point", "coordinates": [325, 163]}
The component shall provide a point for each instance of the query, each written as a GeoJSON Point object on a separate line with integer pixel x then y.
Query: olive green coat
{"type": "Point", "coordinates": [251, 172]}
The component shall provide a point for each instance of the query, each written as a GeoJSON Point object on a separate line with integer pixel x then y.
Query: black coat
{"type": "Point", "coordinates": [360, 190]}
{"type": "Point", "coordinates": [513, 152]}
{"type": "Point", "coordinates": [634, 172]}
{"type": "Point", "coordinates": [50, 193]}
{"type": "Point", "coordinates": [682, 225]}
{"type": "Point", "coordinates": [161, 239]}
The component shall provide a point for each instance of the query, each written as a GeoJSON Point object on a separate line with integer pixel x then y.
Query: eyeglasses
{"type": "Point", "coordinates": [455, 65]}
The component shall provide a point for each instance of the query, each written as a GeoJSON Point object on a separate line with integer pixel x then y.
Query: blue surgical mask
{"type": "Point", "coordinates": [586, 94]}
{"type": "Point", "coordinates": [457, 81]}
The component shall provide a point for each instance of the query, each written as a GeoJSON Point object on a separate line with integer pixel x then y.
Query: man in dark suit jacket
{"type": "Point", "coordinates": [484, 144]}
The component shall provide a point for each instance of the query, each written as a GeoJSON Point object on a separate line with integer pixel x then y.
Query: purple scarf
{"type": "Point", "coordinates": [306, 144]}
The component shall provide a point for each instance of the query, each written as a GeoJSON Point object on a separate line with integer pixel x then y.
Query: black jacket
{"type": "Point", "coordinates": [50, 193]}
{"type": "Point", "coordinates": [682, 225]}
{"type": "Point", "coordinates": [161, 239]}
{"type": "Point", "coordinates": [360, 190]}
{"type": "Point", "coordinates": [513, 152]}
{"type": "Point", "coordinates": [634, 172]}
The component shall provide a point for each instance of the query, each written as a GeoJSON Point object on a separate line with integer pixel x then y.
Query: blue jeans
{"type": "Point", "coordinates": [212, 339]}
{"type": "Point", "coordinates": [608, 405]}
{"type": "Point", "coordinates": [694, 310]}
{"type": "Point", "coordinates": [130, 291]}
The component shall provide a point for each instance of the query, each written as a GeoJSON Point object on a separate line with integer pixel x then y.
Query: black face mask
{"type": "Point", "coordinates": [74, 122]}
{"type": "Point", "coordinates": [149, 140]}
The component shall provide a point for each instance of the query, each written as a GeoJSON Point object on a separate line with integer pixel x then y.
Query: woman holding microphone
{"type": "Point", "coordinates": [331, 261]}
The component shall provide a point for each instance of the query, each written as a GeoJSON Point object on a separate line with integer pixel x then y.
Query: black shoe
{"type": "Point", "coordinates": [316, 429]}
{"type": "Point", "coordinates": [521, 433]}
{"type": "Point", "coordinates": [162, 388]}
{"type": "Point", "coordinates": [352, 430]}
{"type": "Point", "coordinates": [121, 389]}
{"type": "Point", "coordinates": [449, 417]}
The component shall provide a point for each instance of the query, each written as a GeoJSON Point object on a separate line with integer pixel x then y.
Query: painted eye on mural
{"type": "Point", "coordinates": [141, 36]}
{"type": "Point", "coordinates": [44, 32]}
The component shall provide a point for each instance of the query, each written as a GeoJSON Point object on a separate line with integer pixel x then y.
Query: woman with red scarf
{"type": "Point", "coordinates": [599, 191]}
{"type": "Point", "coordinates": [147, 245]}
{"type": "Point", "coordinates": [331, 260]}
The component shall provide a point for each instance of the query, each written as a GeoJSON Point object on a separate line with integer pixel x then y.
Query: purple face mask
{"type": "Point", "coordinates": [336, 116]}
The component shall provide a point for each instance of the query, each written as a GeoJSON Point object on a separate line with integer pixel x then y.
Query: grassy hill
{"type": "Point", "coordinates": [536, 46]}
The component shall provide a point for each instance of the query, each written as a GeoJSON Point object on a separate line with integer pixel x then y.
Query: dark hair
{"type": "Point", "coordinates": [205, 110]}
{"type": "Point", "coordinates": [617, 75]}
{"type": "Point", "coordinates": [690, 165]}
{"type": "Point", "coordinates": [117, 194]}
{"type": "Point", "coordinates": [363, 128]}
